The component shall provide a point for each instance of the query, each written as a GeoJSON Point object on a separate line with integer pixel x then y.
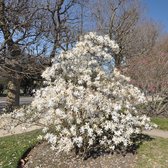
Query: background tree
{"type": "Point", "coordinates": [124, 22]}
{"type": "Point", "coordinates": [142, 39]}
{"type": "Point", "coordinates": [61, 27]}
{"type": "Point", "coordinates": [31, 30]}
{"type": "Point", "coordinates": [149, 72]}
{"type": "Point", "coordinates": [118, 19]}
{"type": "Point", "coordinates": [20, 29]}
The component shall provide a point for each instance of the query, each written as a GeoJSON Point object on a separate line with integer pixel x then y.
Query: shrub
{"type": "Point", "coordinates": [83, 105]}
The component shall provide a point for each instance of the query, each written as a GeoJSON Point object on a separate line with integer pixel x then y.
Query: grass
{"type": "Point", "coordinates": [13, 147]}
{"type": "Point", "coordinates": [153, 154]}
{"type": "Point", "coordinates": [161, 122]}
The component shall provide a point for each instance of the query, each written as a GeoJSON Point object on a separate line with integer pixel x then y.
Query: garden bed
{"type": "Point", "coordinates": [43, 156]}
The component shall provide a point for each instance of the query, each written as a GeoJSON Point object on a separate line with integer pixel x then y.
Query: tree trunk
{"type": "Point", "coordinates": [118, 60]}
{"type": "Point", "coordinates": [15, 53]}
{"type": "Point", "coordinates": [13, 92]}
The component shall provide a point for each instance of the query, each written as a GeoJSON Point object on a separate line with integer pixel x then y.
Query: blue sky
{"type": "Point", "coordinates": [158, 10]}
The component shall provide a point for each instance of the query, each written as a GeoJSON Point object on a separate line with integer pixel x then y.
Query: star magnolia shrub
{"type": "Point", "coordinates": [82, 105]}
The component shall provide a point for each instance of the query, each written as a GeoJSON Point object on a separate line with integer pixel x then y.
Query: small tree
{"type": "Point", "coordinates": [83, 106]}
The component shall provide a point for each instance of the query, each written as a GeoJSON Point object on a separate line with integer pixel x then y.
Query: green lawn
{"type": "Point", "coordinates": [13, 147]}
{"type": "Point", "coordinates": [161, 122]}
{"type": "Point", "coordinates": [153, 154]}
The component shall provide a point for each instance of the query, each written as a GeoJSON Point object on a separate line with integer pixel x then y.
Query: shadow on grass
{"type": "Point", "coordinates": [137, 142]}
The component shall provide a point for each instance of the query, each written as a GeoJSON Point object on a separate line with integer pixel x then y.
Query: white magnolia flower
{"type": "Point", "coordinates": [90, 142]}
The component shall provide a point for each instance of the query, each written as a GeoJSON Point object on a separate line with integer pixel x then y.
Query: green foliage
{"type": "Point", "coordinates": [161, 122]}
{"type": "Point", "coordinates": [13, 147]}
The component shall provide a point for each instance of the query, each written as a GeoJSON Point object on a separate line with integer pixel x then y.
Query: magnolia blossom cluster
{"type": "Point", "coordinates": [83, 106]}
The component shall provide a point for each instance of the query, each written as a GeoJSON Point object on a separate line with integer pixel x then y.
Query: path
{"type": "Point", "coordinates": [17, 130]}
{"type": "Point", "coordinates": [157, 133]}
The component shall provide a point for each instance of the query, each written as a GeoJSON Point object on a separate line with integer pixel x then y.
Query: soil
{"type": "Point", "coordinates": [42, 156]}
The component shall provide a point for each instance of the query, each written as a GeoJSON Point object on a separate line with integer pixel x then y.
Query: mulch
{"type": "Point", "coordinates": [41, 156]}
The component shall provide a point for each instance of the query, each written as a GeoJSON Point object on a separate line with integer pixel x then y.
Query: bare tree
{"type": "Point", "coordinates": [117, 18]}
{"type": "Point", "coordinates": [59, 21]}
{"type": "Point", "coordinates": [19, 29]}
{"type": "Point", "coordinates": [32, 30]}
{"type": "Point", "coordinates": [142, 39]}
{"type": "Point", "coordinates": [149, 72]}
